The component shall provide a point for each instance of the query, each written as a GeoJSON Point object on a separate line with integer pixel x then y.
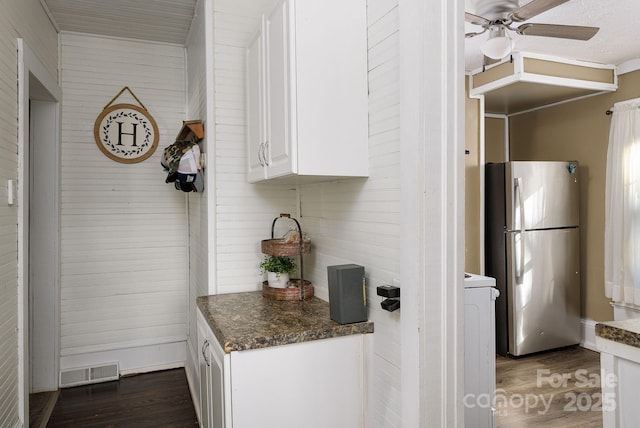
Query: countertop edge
{"type": "Point", "coordinates": [232, 345]}
{"type": "Point", "coordinates": [229, 343]}
{"type": "Point", "coordinates": [616, 332]}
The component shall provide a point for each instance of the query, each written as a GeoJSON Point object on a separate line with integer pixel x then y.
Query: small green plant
{"type": "Point", "coordinates": [278, 264]}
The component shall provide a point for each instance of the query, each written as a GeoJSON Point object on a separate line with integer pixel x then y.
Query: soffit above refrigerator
{"type": "Point", "coordinates": [528, 81]}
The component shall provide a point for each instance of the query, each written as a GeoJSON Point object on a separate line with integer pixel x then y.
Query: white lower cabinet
{"type": "Point", "coordinates": [316, 384]}
{"type": "Point", "coordinates": [211, 369]}
{"type": "Point", "coordinates": [619, 380]}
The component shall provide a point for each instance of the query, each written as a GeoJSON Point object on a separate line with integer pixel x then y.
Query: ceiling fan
{"type": "Point", "coordinates": [497, 17]}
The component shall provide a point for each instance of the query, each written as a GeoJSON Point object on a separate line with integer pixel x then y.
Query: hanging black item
{"type": "Point", "coordinates": [182, 159]}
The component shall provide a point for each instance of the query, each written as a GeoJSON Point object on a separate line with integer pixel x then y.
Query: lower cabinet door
{"type": "Point", "coordinates": [204, 410]}
{"type": "Point", "coordinates": [205, 385]}
{"type": "Point", "coordinates": [217, 392]}
{"type": "Point", "coordinates": [212, 383]}
{"type": "Point", "coordinates": [316, 384]}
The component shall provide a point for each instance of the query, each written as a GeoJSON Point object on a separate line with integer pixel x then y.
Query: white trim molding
{"type": "Point", "coordinates": [628, 66]}
{"type": "Point", "coordinates": [624, 311]}
{"type": "Point", "coordinates": [432, 101]}
{"type": "Point", "coordinates": [28, 66]}
{"type": "Point", "coordinates": [588, 334]}
{"type": "Point", "coordinates": [50, 15]}
{"type": "Point", "coordinates": [520, 75]}
{"type": "Point", "coordinates": [134, 359]}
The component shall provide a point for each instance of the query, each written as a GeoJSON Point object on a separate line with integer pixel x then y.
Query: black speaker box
{"type": "Point", "coordinates": [347, 293]}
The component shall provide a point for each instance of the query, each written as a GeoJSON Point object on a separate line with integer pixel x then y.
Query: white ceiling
{"type": "Point", "coordinates": [169, 21]}
{"type": "Point", "coordinates": [158, 20]}
{"type": "Point", "coordinates": [617, 41]}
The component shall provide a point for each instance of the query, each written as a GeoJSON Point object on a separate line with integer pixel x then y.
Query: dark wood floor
{"type": "Point", "coordinates": [159, 399]}
{"type": "Point", "coordinates": [41, 405]}
{"type": "Point", "coordinates": [550, 389]}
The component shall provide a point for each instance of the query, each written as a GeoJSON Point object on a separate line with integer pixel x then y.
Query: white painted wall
{"type": "Point", "coordinates": [361, 221]}
{"type": "Point", "coordinates": [350, 221]}
{"type": "Point", "coordinates": [200, 106]}
{"type": "Point", "coordinates": [124, 230]}
{"type": "Point", "coordinates": [199, 100]}
{"type": "Point", "coordinates": [43, 254]}
{"type": "Point", "coordinates": [18, 19]}
{"type": "Point", "coordinates": [242, 215]}
{"type": "Point", "coordinates": [244, 211]}
{"type": "Point", "coordinates": [358, 221]}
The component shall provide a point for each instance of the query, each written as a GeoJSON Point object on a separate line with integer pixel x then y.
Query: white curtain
{"type": "Point", "coordinates": [622, 205]}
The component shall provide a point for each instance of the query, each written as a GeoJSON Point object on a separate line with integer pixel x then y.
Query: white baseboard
{"type": "Point", "coordinates": [136, 359]}
{"type": "Point", "coordinates": [621, 311]}
{"type": "Point", "coordinates": [588, 334]}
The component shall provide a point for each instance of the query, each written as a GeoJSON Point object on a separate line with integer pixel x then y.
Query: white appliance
{"type": "Point", "coordinates": [479, 351]}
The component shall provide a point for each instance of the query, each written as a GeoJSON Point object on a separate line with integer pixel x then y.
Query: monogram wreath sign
{"type": "Point", "coordinates": [125, 132]}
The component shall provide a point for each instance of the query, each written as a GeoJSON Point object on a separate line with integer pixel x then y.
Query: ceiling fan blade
{"type": "Point", "coordinates": [574, 32]}
{"type": "Point", "coordinates": [475, 19]}
{"type": "Point", "coordinates": [534, 8]}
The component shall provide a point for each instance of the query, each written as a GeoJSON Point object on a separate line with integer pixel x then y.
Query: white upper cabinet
{"type": "Point", "coordinates": [256, 117]}
{"type": "Point", "coordinates": [307, 92]}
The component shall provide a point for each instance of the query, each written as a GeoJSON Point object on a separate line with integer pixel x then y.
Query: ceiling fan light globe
{"type": "Point", "coordinates": [497, 47]}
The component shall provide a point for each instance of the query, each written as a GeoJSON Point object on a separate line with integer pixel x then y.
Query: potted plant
{"type": "Point", "coordinates": [278, 269]}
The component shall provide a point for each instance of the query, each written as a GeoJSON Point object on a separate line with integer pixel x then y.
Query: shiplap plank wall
{"type": "Point", "coordinates": [197, 92]}
{"type": "Point", "coordinates": [18, 19]}
{"type": "Point", "coordinates": [244, 211]}
{"type": "Point", "coordinates": [358, 221]}
{"type": "Point", "coordinates": [351, 221]}
{"type": "Point", "coordinates": [124, 231]}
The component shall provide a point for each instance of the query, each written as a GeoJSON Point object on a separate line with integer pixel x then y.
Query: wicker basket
{"type": "Point", "coordinates": [289, 293]}
{"type": "Point", "coordinates": [278, 247]}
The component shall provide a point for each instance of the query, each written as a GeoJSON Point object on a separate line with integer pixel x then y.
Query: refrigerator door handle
{"type": "Point", "coordinates": [517, 183]}
{"type": "Point", "coordinates": [519, 271]}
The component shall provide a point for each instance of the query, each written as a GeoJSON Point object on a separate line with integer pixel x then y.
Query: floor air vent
{"type": "Point", "coordinates": [86, 375]}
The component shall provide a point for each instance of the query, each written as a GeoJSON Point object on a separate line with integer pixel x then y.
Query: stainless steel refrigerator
{"type": "Point", "coordinates": [533, 251]}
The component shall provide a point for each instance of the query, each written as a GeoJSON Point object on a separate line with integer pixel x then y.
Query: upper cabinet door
{"type": "Point", "coordinates": [314, 92]}
{"type": "Point", "coordinates": [279, 108]}
{"type": "Point", "coordinates": [256, 129]}
{"type": "Point", "coordinates": [330, 52]}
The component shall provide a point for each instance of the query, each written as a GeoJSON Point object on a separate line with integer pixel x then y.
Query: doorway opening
{"type": "Point", "coordinates": [39, 99]}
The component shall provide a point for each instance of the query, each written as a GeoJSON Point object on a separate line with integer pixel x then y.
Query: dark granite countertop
{"type": "Point", "coordinates": [244, 321]}
{"type": "Point", "coordinates": [626, 332]}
